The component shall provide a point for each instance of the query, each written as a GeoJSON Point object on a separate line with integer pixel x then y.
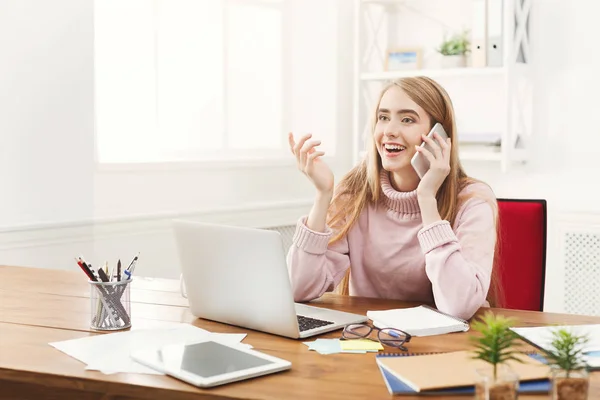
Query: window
{"type": "Point", "coordinates": [189, 80]}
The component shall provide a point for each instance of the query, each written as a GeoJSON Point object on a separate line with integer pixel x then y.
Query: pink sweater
{"type": "Point", "coordinates": [393, 256]}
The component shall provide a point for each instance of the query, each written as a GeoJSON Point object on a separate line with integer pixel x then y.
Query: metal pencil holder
{"type": "Point", "coordinates": [110, 305]}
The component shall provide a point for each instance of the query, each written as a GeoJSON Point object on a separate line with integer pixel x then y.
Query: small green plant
{"type": "Point", "coordinates": [496, 343]}
{"type": "Point", "coordinates": [567, 351]}
{"type": "Point", "coordinates": [455, 45]}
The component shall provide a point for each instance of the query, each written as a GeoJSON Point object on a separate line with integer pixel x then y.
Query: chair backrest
{"type": "Point", "coordinates": [521, 257]}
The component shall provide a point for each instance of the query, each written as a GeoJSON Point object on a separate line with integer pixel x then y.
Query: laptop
{"type": "Point", "coordinates": [239, 276]}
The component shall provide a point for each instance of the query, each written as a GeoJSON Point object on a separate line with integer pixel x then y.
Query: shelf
{"type": "Point", "coordinates": [475, 153]}
{"type": "Point", "coordinates": [449, 72]}
{"type": "Point", "coordinates": [387, 2]}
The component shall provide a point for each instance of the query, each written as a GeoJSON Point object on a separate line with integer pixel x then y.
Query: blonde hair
{"type": "Point", "coordinates": [362, 183]}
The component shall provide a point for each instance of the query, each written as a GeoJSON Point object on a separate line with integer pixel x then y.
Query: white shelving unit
{"type": "Point", "coordinates": [372, 36]}
{"type": "Point", "coordinates": [433, 73]}
{"type": "Point", "coordinates": [480, 155]}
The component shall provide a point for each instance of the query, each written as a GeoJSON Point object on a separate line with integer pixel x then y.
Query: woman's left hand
{"type": "Point", "coordinates": [439, 167]}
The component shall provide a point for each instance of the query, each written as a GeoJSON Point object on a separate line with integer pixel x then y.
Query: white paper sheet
{"type": "Point", "coordinates": [109, 353]}
{"type": "Point", "coordinates": [541, 336]}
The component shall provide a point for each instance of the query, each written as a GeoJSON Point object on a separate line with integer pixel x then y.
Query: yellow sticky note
{"type": "Point", "coordinates": [360, 344]}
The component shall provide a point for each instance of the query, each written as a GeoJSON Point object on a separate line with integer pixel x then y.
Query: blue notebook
{"type": "Point", "coordinates": [396, 387]}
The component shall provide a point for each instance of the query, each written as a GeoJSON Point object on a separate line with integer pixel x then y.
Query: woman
{"type": "Point", "coordinates": [388, 234]}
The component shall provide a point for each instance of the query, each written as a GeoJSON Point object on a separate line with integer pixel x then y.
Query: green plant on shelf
{"type": "Point", "coordinates": [456, 45]}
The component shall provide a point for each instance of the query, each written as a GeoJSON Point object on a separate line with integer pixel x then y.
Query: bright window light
{"type": "Point", "coordinates": [188, 80]}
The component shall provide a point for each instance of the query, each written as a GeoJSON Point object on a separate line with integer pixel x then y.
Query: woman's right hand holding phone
{"type": "Point", "coordinates": [310, 163]}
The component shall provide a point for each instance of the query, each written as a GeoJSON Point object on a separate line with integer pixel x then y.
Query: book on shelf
{"type": "Point", "coordinates": [480, 139]}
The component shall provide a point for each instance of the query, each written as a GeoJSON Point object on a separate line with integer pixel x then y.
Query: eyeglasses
{"type": "Point", "coordinates": [386, 336]}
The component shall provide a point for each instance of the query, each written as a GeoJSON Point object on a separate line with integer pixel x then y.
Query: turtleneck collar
{"type": "Point", "coordinates": [400, 202]}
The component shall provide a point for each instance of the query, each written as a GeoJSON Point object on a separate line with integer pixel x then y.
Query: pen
{"type": "Point", "coordinates": [89, 267]}
{"type": "Point", "coordinates": [84, 269]}
{"type": "Point", "coordinates": [102, 275]}
{"type": "Point", "coordinates": [112, 272]}
{"type": "Point", "coordinates": [96, 278]}
{"type": "Point", "coordinates": [83, 261]}
{"type": "Point", "coordinates": [132, 262]}
{"type": "Point", "coordinates": [119, 270]}
{"type": "Point", "coordinates": [133, 266]}
{"type": "Point", "coordinates": [129, 270]}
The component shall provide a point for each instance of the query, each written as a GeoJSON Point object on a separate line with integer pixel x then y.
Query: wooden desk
{"type": "Point", "coordinates": [39, 306]}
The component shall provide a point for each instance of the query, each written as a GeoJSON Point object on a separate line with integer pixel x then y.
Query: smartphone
{"type": "Point", "coordinates": [419, 162]}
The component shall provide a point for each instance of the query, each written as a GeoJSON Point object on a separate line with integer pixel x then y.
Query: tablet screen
{"type": "Point", "coordinates": [209, 359]}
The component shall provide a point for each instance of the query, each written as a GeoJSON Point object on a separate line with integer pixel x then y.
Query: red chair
{"type": "Point", "coordinates": [522, 253]}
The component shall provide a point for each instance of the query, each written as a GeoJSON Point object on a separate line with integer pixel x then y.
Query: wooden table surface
{"type": "Point", "coordinates": [39, 306]}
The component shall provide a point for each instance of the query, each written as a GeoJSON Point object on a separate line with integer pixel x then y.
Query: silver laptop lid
{"type": "Point", "coordinates": [237, 276]}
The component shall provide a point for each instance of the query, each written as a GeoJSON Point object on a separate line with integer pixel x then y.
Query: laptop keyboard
{"type": "Point", "coordinates": [306, 323]}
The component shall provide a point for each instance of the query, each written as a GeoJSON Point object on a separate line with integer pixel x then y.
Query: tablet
{"type": "Point", "coordinates": [210, 363]}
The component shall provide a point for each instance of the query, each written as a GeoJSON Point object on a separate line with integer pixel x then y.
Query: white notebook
{"type": "Point", "coordinates": [418, 321]}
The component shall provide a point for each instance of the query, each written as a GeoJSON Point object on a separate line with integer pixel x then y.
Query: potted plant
{"type": "Point", "coordinates": [454, 50]}
{"type": "Point", "coordinates": [496, 345]}
{"type": "Point", "coordinates": [570, 378]}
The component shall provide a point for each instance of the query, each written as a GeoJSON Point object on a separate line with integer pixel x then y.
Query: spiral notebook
{"type": "Point", "coordinates": [453, 370]}
{"type": "Point", "coordinates": [418, 321]}
{"type": "Point", "coordinates": [396, 387]}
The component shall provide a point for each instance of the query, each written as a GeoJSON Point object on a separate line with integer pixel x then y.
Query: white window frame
{"type": "Point", "coordinates": [276, 159]}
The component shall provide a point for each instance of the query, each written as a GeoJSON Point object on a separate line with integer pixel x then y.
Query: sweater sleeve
{"type": "Point", "coordinates": [459, 262]}
{"type": "Point", "coordinates": [315, 267]}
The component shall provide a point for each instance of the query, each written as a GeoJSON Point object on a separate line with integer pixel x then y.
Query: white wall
{"type": "Point", "coordinates": [315, 44]}
{"type": "Point", "coordinates": [46, 111]}
{"type": "Point", "coordinates": [54, 191]}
